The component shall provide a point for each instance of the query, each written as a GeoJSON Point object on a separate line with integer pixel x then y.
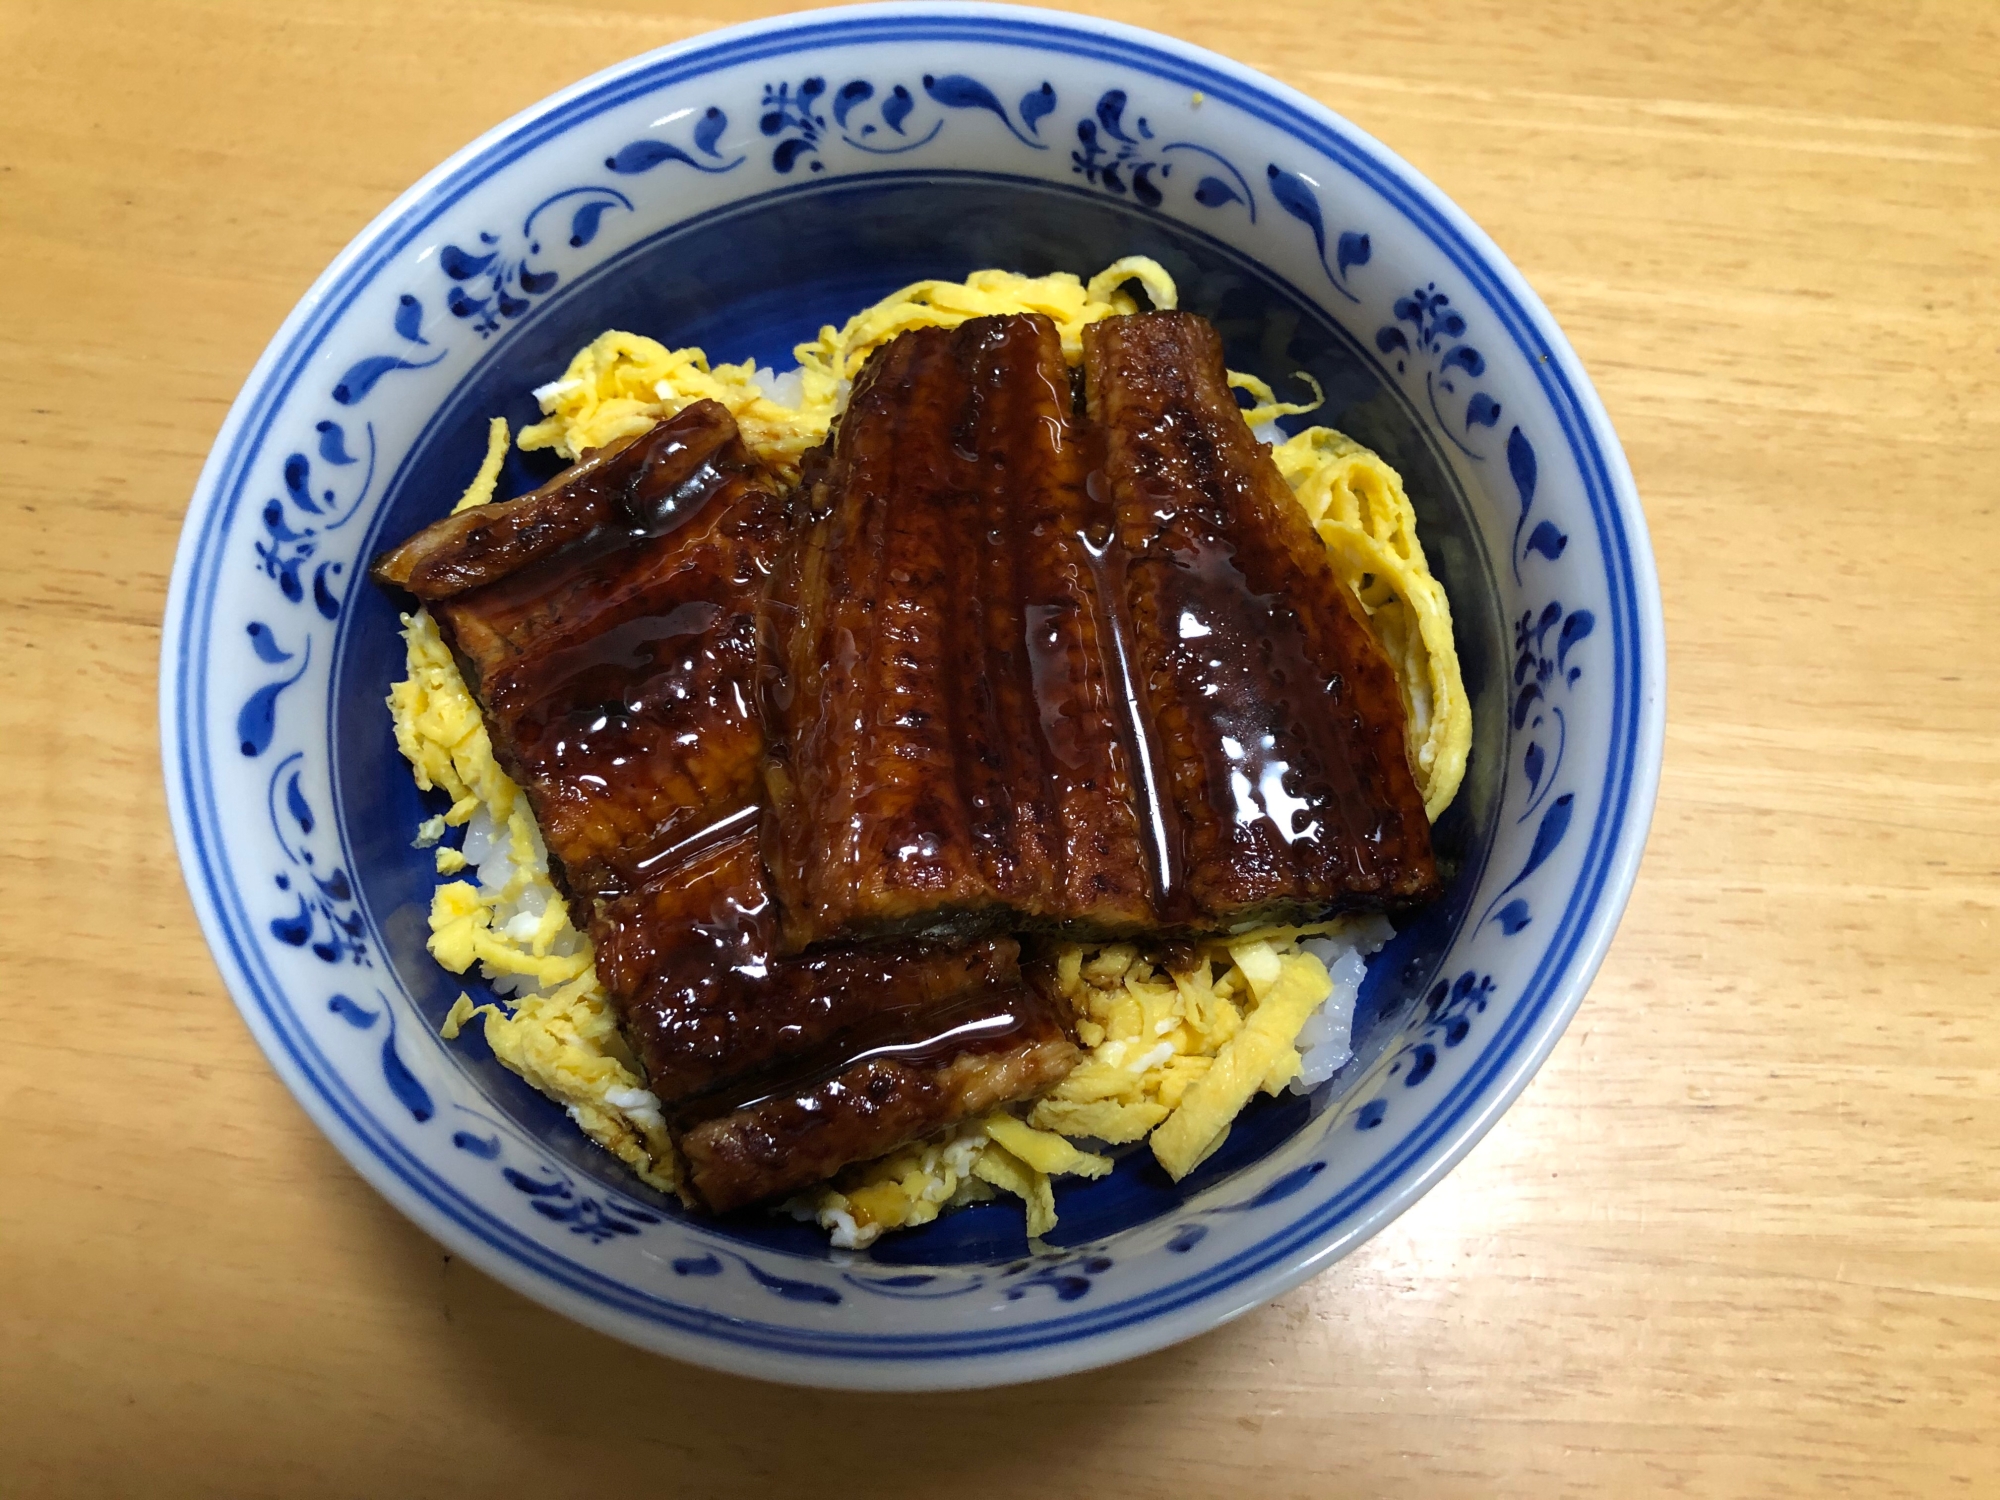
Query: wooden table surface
{"type": "Point", "coordinates": [1741, 1235]}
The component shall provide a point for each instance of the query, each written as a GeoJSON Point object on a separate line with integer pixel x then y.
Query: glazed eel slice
{"type": "Point", "coordinates": [608, 624]}
{"type": "Point", "coordinates": [778, 1072]}
{"type": "Point", "coordinates": [1272, 724]}
{"type": "Point", "coordinates": [1088, 676]}
{"type": "Point", "coordinates": [950, 757]}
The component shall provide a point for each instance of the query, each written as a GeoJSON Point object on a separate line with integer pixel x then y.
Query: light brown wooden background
{"type": "Point", "coordinates": [1741, 1236]}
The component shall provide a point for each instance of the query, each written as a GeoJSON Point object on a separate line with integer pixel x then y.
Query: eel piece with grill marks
{"type": "Point", "coordinates": [1272, 725]}
{"type": "Point", "coordinates": [951, 754]}
{"type": "Point", "coordinates": [608, 624]}
{"type": "Point", "coordinates": [1042, 674]}
{"type": "Point", "coordinates": [778, 1072]}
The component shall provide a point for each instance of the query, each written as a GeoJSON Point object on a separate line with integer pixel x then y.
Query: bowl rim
{"type": "Point", "coordinates": [1475, 1103]}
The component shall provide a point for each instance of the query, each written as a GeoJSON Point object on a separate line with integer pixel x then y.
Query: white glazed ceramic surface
{"type": "Point", "coordinates": [276, 542]}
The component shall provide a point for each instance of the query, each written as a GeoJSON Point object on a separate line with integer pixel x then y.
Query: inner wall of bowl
{"type": "Point", "coordinates": [753, 282]}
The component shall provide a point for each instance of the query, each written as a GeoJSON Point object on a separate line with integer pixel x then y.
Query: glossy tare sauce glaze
{"type": "Point", "coordinates": [948, 754]}
{"type": "Point", "coordinates": [775, 1072]}
{"type": "Point", "coordinates": [609, 625]}
{"type": "Point", "coordinates": [1000, 666]}
{"type": "Point", "coordinates": [1089, 675]}
{"type": "Point", "coordinates": [1276, 781]}
{"type": "Point", "coordinates": [726, 1022]}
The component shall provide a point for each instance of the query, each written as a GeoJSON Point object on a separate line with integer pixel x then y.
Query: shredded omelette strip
{"type": "Point", "coordinates": [622, 383]}
{"type": "Point", "coordinates": [560, 1033]}
{"type": "Point", "coordinates": [1169, 1057]}
{"type": "Point", "coordinates": [1357, 504]}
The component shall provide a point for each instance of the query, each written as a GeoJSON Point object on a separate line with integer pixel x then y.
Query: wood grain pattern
{"type": "Point", "coordinates": [1741, 1236]}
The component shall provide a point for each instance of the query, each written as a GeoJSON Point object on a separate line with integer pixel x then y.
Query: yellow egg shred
{"type": "Point", "coordinates": [561, 1034]}
{"type": "Point", "coordinates": [1170, 1057]}
{"type": "Point", "coordinates": [1357, 505]}
{"type": "Point", "coordinates": [622, 383]}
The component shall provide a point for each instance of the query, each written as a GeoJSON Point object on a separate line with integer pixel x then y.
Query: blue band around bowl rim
{"type": "Point", "coordinates": [1609, 854]}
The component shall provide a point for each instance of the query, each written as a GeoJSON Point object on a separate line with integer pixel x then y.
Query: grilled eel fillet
{"type": "Point", "coordinates": [780, 1072]}
{"type": "Point", "coordinates": [950, 754]}
{"type": "Point", "coordinates": [1036, 672]}
{"type": "Point", "coordinates": [608, 624]}
{"type": "Point", "coordinates": [1280, 776]}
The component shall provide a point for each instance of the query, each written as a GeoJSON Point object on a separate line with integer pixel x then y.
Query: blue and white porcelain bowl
{"type": "Point", "coordinates": [736, 192]}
